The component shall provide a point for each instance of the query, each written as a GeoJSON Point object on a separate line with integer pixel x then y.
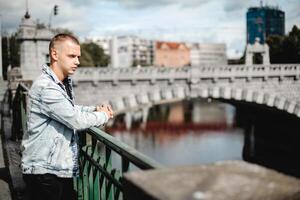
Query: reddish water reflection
{"type": "Point", "coordinates": [184, 144]}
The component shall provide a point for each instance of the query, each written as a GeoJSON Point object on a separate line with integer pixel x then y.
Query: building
{"type": "Point", "coordinates": [34, 47]}
{"type": "Point", "coordinates": [207, 54]}
{"type": "Point", "coordinates": [264, 21]}
{"type": "Point", "coordinates": [103, 42]}
{"type": "Point", "coordinates": [171, 54]}
{"type": "Point", "coordinates": [128, 51]}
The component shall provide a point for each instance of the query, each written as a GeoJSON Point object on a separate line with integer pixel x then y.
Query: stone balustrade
{"type": "Point", "coordinates": [276, 86]}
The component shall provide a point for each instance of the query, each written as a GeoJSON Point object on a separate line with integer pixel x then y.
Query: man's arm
{"type": "Point", "coordinates": [86, 108]}
{"type": "Point", "coordinates": [56, 106]}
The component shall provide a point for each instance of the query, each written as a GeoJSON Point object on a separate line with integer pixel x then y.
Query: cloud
{"type": "Point", "coordinates": [138, 4]}
{"type": "Point", "coordinates": [69, 14]}
{"type": "Point", "coordinates": [231, 6]}
{"type": "Point", "coordinates": [176, 20]}
{"type": "Point", "coordinates": [142, 4]}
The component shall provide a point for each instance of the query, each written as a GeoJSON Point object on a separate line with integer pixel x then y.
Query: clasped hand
{"type": "Point", "coordinates": [107, 109]}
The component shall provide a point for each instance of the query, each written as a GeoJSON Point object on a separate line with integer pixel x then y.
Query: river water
{"type": "Point", "coordinates": [186, 148]}
{"type": "Point", "coordinates": [177, 146]}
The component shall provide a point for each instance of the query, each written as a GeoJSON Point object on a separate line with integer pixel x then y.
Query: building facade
{"type": "Point", "coordinates": [207, 54]}
{"type": "Point", "coordinates": [264, 21]}
{"type": "Point", "coordinates": [171, 54]}
{"type": "Point", "coordinates": [128, 51]}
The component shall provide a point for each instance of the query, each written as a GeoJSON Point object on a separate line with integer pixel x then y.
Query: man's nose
{"type": "Point", "coordinates": [77, 62]}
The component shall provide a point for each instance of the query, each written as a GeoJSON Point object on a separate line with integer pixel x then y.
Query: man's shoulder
{"type": "Point", "coordinates": [41, 83]}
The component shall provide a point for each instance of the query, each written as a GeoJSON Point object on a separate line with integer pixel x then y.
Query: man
{"type": "Point", "coordinates": [49, 145]}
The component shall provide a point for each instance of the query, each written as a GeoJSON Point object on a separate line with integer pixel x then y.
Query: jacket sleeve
{"type": "Point", "coordinates": [58, 107]}
{"type": "Point", "coordinates": [86, 108]}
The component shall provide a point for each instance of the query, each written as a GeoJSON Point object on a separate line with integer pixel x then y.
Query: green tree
{"type": "Point", "coordinates": [96, 53]}
{"type": "Point", "coordinates": [285, 49]}
{"type": "Point", "coordinates": [10, 52]}
{"type": "Point", "coordinates": [62, 30]}
{"type": "Point", "coordinates": [135, 63]}
{"type": "Point", "coordinates": [85, 59]}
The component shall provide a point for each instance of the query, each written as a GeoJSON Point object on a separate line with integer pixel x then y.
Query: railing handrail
{"type": "Point", "coordinates": [134, 156]}
{"type": "Point", "coordinates": [23, 87]}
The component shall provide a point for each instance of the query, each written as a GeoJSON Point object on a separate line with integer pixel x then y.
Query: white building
{"type": "Point", "coordinates": [34, 47]}
{"type": "Point", "coordinates": [207, 54]}
{"type": "Point", "coordinates": [103, 42]}
{"type": "Point", "coordinates": [127, 51]}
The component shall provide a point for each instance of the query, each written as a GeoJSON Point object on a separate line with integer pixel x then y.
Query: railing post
{"type": "Point", "coordinates": [108, 166]}
{"type": "Point", "coordinates": [23, 103]}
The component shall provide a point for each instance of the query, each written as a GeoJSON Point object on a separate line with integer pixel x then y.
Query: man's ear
{"type": "Point", "coordinates": [54, 54]}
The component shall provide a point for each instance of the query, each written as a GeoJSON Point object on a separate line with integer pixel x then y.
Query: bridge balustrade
{"type": "Point", "coordinates": [187, 73]}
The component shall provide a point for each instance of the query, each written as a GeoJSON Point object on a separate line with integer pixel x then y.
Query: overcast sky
{"type": "Point", "coordinates": [172, 20]}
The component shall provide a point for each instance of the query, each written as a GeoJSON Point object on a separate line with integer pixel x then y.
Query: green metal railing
{"type": "Point", "coordinates": [103, 159]}
{"type": "Point", "coordinates": [18, 105]}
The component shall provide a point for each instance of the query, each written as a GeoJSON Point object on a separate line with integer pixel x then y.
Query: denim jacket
{"type": "Point", "coordinates": [50, 143]}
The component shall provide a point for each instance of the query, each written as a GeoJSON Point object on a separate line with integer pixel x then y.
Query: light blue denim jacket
{"type": "Point", "coordinates": [50, 143]}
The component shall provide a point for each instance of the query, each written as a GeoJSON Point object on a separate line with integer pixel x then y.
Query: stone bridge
{"type": "Point", "coordinates": [127, 89]}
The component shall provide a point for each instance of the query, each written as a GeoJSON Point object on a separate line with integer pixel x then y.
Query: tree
{"type": "Point", "coordinates": [85, 59]}
{"type": "Point", "coordinates": [62, 30]}
{"type": "Point", "coordinates": [135, 63]}
{"type": "Point", "coordinates": [10, 52]}
{"type": "Point", "coordinates": [285, 49]}
{"type": "Point", "coordinates": [96, 53]}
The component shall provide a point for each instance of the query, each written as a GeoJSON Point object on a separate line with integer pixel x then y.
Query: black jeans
{"type": "Point", "coordinates": [49, 187]}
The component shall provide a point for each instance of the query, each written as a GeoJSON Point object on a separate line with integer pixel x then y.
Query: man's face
{"type": "Point", "coordinates": [68, 54]}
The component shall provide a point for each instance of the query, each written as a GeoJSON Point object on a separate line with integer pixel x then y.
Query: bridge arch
{"type": "Point", "coordinates": [172, 94]}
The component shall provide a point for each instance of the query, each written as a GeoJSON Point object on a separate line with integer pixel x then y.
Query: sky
{"type": "Point", "coordinates": [203, 21]}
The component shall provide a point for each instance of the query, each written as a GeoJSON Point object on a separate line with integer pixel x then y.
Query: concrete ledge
{"type": "Point", "coordinates": [220, 181]}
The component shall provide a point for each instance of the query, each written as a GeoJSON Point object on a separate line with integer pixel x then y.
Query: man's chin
{"type": "Point", "coordinates": [72, 71]}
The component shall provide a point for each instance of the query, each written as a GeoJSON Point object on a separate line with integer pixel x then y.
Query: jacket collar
{"type": "Point", "coordinates": [47, 70]}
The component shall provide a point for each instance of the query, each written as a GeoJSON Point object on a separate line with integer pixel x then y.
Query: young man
{"type": "Point", "coordinates": [49, 145]}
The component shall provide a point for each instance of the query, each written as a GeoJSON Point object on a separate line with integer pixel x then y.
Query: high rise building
{"type": "Point", "coordinates": [264, 21]}
{"type": "Point", "coordinates": [127, 51]}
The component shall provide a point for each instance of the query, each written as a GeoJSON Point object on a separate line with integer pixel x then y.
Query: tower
{"type": "Point", "coordinates": [34, 45]}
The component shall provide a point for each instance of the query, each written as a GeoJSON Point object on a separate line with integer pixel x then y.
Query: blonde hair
{"type": "Point", "coordinates": [62, 37]}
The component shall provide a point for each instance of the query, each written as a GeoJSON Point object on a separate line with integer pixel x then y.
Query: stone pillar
{"type": "Point", "coordinates": [128, 120]}
{"type": "Point", "coordinates": [145, 117]}
{"type": "Point", "coordinates": [249, 55]}
{"type": "Point", "coordinates": [266, 56]}
{"type": "Point", "coordinates": [114, 52]}
{"type": "Point", "coordinates": [196, 113]}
